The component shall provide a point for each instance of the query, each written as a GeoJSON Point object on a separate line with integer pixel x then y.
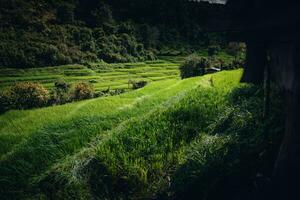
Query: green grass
{"type": "Point", "coordinates": [104, 74]}
{"type": "Point", "coordinates": [145, 148]}
{"type": "Point", "coordinates": [173, 139]}
{"type": "Point", "coordinates": [137, 145]}
{"type": "Point", "coordinates": [183, 147]}
{"type": "Point", "coordinates": [17, 125]}
{"type": "Point", "coordinates": [138, 135]}
{"type": "Point", "coordinates": [47, 135]}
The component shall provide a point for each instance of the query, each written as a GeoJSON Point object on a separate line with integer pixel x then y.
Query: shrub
{"type": "Point", "coordinates": [137, 84]}
{"type": "Point", "coordinates": [83, 91]}
{"type": "Point", "coordinates": [28, 95]}
{"type": "Point", "coordinates": [100, 94]}
{"type": "Point", "coordinates": [93, 81]}
{"type": "Point", "coordinates": [61, 93]}
{"type": "Point", "coordinates": [193, 66]}
{"type": "Point", "coordinates": [116, 92]}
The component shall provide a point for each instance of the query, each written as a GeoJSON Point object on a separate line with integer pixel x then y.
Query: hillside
{"type": "Point", "coordinates": [100, 74]}
{"type": "Point", "coordinates": [155, 142]}
{"type": "Point", "coordinates": [49, 33]}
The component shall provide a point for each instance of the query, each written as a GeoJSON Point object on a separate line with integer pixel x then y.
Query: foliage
{"type": "Point", "coordinates": [116, 92]}
{"type": "Point", "coordinates": [137, 84]}
{"type": "Point", "coordinates": [61, 93]}
{"type": "Point", "coordinates": [193, 66]}
{"type": "Point", "coordinates": [63, 32]}
{"type": "Point", "coordinates": [83, 91]}
{"type": "Point", "coordinates": [27, 95]}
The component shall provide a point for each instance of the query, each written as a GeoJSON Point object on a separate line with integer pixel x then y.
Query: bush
{"type": "Point", "coordinates": [116, 92]}
{"type": "Point", "coordinates": [28, 95]}
{"type": "Point", "coordinates": [83, 91]}
{"type": "Point", "coordinates": [193, 66]}
{"type": "Point", "coordinates": [100, 94]}
{"type": "Point", "coordinates": [137, 84]}
{"type": "Point", "coordinates": [61, 93]}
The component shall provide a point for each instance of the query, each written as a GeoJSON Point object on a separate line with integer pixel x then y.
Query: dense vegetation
{"type": "Point", "coordinates": [37, 33]}
{"type": "Point", "coordinates": [170, 140]}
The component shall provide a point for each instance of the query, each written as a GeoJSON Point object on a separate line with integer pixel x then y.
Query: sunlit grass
{"type": "Point", "coordinates": [133, 123]}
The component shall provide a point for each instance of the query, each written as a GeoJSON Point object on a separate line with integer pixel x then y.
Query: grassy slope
{"type": "Point", "coordinates": [32, 137]}
{"type": "Point", "coordinates": [18, 125]}
{"type": "Point", "coordinates": [192, 143]}
{"type": "Point", "coordinates": [141, 150]}
{"type": "Point", "coordinates": [178, 138]}
{"type": "Point", "coordinates": [138, 157]}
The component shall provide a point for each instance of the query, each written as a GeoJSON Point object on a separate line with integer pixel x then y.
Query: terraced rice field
{"type": "Point", "coordinates": [101, 75]}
